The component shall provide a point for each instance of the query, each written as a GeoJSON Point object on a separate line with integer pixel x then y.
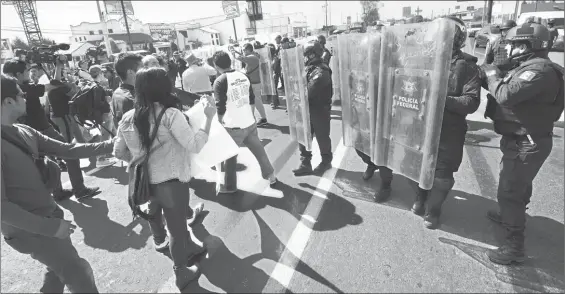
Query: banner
{"type": "Point", "coordinates": [115, 7]}
{"type": "Point", "coordinates": [231, 9]}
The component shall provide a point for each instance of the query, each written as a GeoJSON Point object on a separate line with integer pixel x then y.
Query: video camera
{"type": "Point", "coordinates": [96, 51]}
{"type": "Point", "coordinates": [43, 54]}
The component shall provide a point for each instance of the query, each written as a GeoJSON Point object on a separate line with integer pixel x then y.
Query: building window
{"type": "Point", "coordinates": [100, 32]}
{"type": "Point", "coordinates": [110, 31]}
{"type": "Point", "coordinates": [91, 32]}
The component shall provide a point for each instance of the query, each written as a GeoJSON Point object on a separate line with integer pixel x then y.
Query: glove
{"type": "Point", "coordinates": [491, 107]}
{"type": "Point", "coordinates": [490, 71]}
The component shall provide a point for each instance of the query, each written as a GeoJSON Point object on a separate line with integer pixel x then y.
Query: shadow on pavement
{"type": "Point", "coordinates": [336, 212]}
{"type": "Point", "coordinates": [283, 129]}
{"type": "Point", "coordinates": [113, 172]}
{"type": "Point", "coordinates": [100, 231]}
{"type": "Point", "coordinates": [464, 215]}
{"type": "Point", "coordinates": [233, 274]}
{"type": "Point", "coordinates": [352, 185]}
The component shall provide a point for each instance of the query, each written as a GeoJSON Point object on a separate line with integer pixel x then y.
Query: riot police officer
{"type": "Point", "coordinates": [320, 92]}
{"type": "Point", "coordinates": [526, 102]}
{"type": "Point", "coordinates": [326, 55]}
{"type": "Point", "coordinates": [463, 98]}
{"type": "Point", "coordinates": [494, 49]}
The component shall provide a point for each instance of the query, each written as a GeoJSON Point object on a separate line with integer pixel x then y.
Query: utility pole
{"type": "Point", "coordinates": [489, 11]}
{"type": "Point", "coordinates": [484, 12]}
{"type": "Point", "coordinates": [326, 6]}
{"type": "Point", "coordinates": [516, 10]}
{"type": "Point", "coordinates": [234, 30]}
{"type": "Point", "coordinates": [127, 25]}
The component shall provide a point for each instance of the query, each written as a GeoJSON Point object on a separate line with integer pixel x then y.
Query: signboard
{"type": "Point", "coordinates": [7, 51]}
{"type": "Point", "coordinates": [115, 7]}
{"type": "Point", "coordinates": [161, 31]}
{"type": "Point", "coordinates": [231, 9]}
{"type": "Point", "coordinates": [406, 11]}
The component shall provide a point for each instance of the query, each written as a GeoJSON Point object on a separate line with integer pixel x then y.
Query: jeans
{"type": "Point", "coordinates": [170, 200]}
{"type": "Point", "coordinates": [73, 165]}
{"type": "Point", "coordinates": [68, 127]}
{"type": "Point", "coordinates": [248, 137]}
{"type": "Point", "coordinates": [64, 265]}
{"type": "Point", "coordinates": [258, 101]}
{"type": "Point", "coordinates": [278, 75]}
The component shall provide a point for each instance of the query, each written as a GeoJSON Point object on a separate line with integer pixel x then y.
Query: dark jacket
{"type": "Point", "coordinates": [326, 56]}
{"type": "Point", "coordinates": [463, 98]}
{"type": "Point", "coordinates": [319, 83]}
{"type": "Point", "coordinates": [35, 113]}
{"type": "Point", "coordinates": [181, 66]}
{"type": "Point", "coordinates": [525, 99]}
{"type": "Point", "coordinates": [122, 101]}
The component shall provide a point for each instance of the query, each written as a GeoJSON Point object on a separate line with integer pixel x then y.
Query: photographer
{"type": "Point", "coordinates": [37, 119]}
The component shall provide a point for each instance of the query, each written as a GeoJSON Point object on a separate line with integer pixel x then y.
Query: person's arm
{"type": "Point", "coordinates": [524, 85]}
{"type": "Point", "coordinates": [220, 93]}
{"type": "Point", "coordinates": [121, 150]}
{"type": "Point", "coordinates": [183, 133]}
{"type": "Point", "coordinates": [320, 79]}
{"type": "Point", "coordinates": [470, 98]}
{"type": "Point", "coordinates": [14, 215]}
{"type": "Point", "coordinates": [489, 54]}
{"type": "Point", "coordinates": [48, 146]}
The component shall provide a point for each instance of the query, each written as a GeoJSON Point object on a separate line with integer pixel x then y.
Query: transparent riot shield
{"type": "Point", "coordinates": [413, 80]}
{"type": "Point", "coordinates": [266, 72]}
{"type": "Point", "coordinates": [292, 63]}
{"type": "Point", "coordinates": [332, 45]}
{"type": "Point", "coordinates": [359, 56]}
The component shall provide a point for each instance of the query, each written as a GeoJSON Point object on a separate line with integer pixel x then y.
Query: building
{"type": "Point", "coordinates": [115, 28]}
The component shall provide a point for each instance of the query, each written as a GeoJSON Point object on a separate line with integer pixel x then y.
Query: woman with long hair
{"type": "Point", "coordinates": [168, 165]}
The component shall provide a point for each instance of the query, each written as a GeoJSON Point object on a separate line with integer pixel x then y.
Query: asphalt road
{"type": "Point", "coordinates": [321, 234]}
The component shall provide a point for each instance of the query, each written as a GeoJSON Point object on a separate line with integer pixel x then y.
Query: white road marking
{"type": "Point", "coordinates": [301, 234]}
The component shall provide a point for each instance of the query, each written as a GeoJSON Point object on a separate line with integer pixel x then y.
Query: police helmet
{"type": "Point", "coordinates": [322, 39]}
{"type": "Point", "coordinates": [550, 21]}
{"type": "Point", "coordinates": [313, 48]}
{"type": "Point", "coordinates": [508, 25]}
{"type": "Point", "coordinates": [460, 32]}
{"type": "Point", "coordinates": [535, 34]}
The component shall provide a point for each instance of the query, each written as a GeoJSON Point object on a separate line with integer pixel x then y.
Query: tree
{"type": "Point", "coordinates": [19, 43]}
{"type": "Point", "coordinates": [370, 11]}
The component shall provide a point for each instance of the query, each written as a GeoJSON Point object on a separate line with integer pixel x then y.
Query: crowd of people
{"type": "Point", "coordinates": [143, 123]}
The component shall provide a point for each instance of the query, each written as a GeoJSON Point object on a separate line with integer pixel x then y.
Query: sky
{"type": "Point", "coordinates": [55, 17]}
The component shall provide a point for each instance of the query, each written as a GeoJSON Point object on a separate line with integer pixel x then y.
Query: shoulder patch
{"type": "Point", "coordinates": [527, 75]}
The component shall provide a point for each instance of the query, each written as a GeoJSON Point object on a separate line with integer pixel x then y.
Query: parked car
{"type": "Point", "coordinates": [473, 28]}
{"type": "Point", "coordinates": [486, 35]}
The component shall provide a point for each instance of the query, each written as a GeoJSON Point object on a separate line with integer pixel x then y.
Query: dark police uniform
{"type": "Point", "coordinates": [495, 53]}
{"type": "Point", "coordinates": [463, 98]}
{"type": "Point", "coordinates": [527, 101]}
{"type": "Point", "coordinates": [320, 92]}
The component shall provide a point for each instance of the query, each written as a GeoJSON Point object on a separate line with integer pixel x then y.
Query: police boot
{"type": "Point", "coordinates": [305, 168]}
{"type": "Point", "coordinates": [511, 251]}
{"type": "Point", "coordinates": [325, 165]}
{"type": "Point", "coordinates": [384, 192]}
{"type": "Point", "coordinates": [185, 275]}
{"type": "Point", "coordinates": [436, 197]}
{"type": "Point", "coordinates": [419, 206]}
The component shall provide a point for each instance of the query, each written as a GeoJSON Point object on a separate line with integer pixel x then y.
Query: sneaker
{"type": "Point", "coordinates": [196, 212]}
{"type": "Point", "coordinates": [86, 192]}
{"type": "Point", "coordinates": [105, 161]}
{"type": "Point", "coordinates": [162, 246]}
{"type": "Point", "coordinates": [186, 275]}
{"type": "Point", "coordinates": [63, 194]}
{"type": "Point", "coordinates": [62, 165]}
{"type": "Point", "coordinates": [262, 122]}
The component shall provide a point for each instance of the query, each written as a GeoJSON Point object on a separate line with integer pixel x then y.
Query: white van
{"type": "Point", "coordinates": [557, 17]}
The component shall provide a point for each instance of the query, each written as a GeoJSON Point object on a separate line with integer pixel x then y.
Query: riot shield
{"type": "Point", "coordinates": [266, 72]}
{"type": "Point", "coordinates": [359, 56]}
{"type": "Point", "coordinates": [292, 63]}
{"type": "Point", "coordinates": [332, 45]}
{"type": "Point", "coordinates": [413, 82]}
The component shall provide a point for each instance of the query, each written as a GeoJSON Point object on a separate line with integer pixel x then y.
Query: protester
{"type": "Point", "coordinates": [252, 63]}
{"type": "Point", "coordinates": [277, 64]}
{"type": "Point", "coordinates": [196, 78]}
{"type": "Point", "coordinates": [169, 163]}
{"type": "Point", "coordinates": [274, 98]}
{"type": "Point", "coordinates": [32, 223]}
{"type": "Point", "coordinates": [126, 66]}
{"type": "Point", "coordinates": [236, 114]}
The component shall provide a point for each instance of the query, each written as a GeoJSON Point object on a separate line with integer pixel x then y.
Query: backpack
{"type": "Point", "coordinates": [89, 103]}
